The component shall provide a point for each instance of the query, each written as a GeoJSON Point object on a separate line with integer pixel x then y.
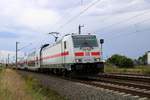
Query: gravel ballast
{"type": "Point", "coordinates": [78, 91]}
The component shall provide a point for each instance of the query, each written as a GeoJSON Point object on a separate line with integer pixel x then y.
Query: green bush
{"type": "Point", "coordinates": [142, 60]}
{"type": "Point", "coordinates": [121, 61]}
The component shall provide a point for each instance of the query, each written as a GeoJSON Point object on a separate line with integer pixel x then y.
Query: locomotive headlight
{"type": "Point", "coordinates": [97, 59]}
{"type": "Point", "coordinates": [78, 60]}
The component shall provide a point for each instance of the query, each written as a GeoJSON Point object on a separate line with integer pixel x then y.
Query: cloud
{"type": "Point", "coordinates": [38, 20]}
{"type": "Point", "coordinates": [30, 20]}
{"type": "Point", "coordinates": [22, 13]}
{"type": "Point", "coordinates": [5, 53]}
{"type": "Point", "coordinates": [8, 35]}
{"type": "Point", "coordinates": [112, 7]}
{"type": "Point", "coordinates": [4, 56]}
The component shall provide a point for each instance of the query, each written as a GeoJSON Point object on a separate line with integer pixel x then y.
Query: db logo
{"type": "Point", "coordinates": [87, 48]}
{"type": "Point", "coordinates": [87, 54]}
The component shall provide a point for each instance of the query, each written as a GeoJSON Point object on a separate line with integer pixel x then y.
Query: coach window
{"type": "Point", "coordinates": [65, 45]}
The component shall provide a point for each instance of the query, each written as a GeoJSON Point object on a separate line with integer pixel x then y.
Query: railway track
{"type": "Point", "coordinates": [121, 88]}
{"type": "Point", "coordinates": [122, 84]}
{"type": "Point", "coordinates": [138, 78]}
{"type": "Point", "coordinates": [145, 75]}
{"type": "Point", "coordinates": [130, 84]}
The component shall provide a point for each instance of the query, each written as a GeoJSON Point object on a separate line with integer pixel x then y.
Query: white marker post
{"type": "Point", "coordinates": [148, 57]}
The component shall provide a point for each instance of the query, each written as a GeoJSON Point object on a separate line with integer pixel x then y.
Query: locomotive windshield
{"type": "Point", "coordinates": [85, 41]}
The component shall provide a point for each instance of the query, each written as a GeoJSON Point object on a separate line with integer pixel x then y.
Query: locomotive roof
{"type": "Point", "coordinates": [68, 35]}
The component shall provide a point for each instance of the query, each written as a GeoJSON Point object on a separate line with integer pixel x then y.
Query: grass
{"type": "Point", "coordinates": [1, 67]}
{"type": "Point", "coordinates": [135, 70]}
{"type": "Point", "coordinates": [39, 92]}
{"type": "Point", "coordinates": [31, 88]}
{"type": "Point", "coordinates": [5, 94]}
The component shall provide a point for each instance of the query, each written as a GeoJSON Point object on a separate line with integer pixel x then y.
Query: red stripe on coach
{"type": "Point", "coordinates": [57, 55]}
{"type": "Point", "coordinates": [95, 53]}
{"type": "Point", "coordinates": [79, 54]}
{"type": "Point", "coordinates": [65, 53]}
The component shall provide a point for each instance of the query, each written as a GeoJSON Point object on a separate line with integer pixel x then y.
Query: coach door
{"type": "Point", "coordinates": [64, 50]}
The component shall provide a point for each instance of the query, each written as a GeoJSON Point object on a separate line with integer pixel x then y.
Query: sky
{"type": "Point", "coordinates": [124, 24]}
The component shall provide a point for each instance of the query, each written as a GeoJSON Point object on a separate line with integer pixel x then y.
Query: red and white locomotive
{"type": "Point", "coordinates": [77, 54]}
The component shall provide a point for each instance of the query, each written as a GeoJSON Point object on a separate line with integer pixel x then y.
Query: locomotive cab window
{"type": "Point", "coordinates": [65, 45]}
{"type": "Point", "coordinates": [85, 41]}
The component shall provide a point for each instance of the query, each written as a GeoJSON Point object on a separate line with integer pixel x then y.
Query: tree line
{"type": "Point", "coordinates": [126, 62]}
